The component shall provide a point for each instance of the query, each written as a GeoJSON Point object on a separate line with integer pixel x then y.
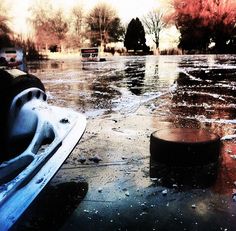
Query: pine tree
{"type": "Point", "coordinates": [135, 36]}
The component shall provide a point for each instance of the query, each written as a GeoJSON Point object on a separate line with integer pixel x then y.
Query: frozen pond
{"type": "Point", "coordinates": [125, 100]}
{"type": "Point", "coordinates": [204, 85]}
{"type": "Point", "coordinates": [99, 88]}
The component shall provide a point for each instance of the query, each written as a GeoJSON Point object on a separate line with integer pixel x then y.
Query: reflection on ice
{"type": "Point", "coordinates": [200, 85]}
{"type": "Point", "coordinates": [112, 86]}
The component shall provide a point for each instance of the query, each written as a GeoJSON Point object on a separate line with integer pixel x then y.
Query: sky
{"type": "Point", "coordinates": [126, 9]}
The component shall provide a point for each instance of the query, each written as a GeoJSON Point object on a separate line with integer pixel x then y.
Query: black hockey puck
{"type": "Point", "coordinates": [184, 147]}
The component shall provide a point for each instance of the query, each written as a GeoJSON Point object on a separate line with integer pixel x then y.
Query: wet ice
{"type": "Point", "coordinates": [143, 94]}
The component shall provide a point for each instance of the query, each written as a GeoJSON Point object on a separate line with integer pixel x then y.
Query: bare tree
{"type": "Point", "coordinates": [77, 27]}
{"type": "Point", "coordinates": [4, 28]}
{"type": "Point", "coordinates": [50, 25]}
{"type": "Point", "coordinates": [58, 26]}
{"type": "Point", "coordinates": [40, 12]}
{"type": "Point", "coordinates": [5, 31]}
{"type": "Point", "coordinates": [77, 19]}
{"type": "Point", "coordinates": [100, 19]}
{"type": "Point", "coordinates": [154, 22]}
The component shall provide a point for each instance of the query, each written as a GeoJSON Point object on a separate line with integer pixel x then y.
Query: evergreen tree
{"type": "Point", "coordinates": [135, 36]}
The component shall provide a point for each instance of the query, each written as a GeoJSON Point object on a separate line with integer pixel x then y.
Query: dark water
{"type": "Point", "coordinates": [129, 97]}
